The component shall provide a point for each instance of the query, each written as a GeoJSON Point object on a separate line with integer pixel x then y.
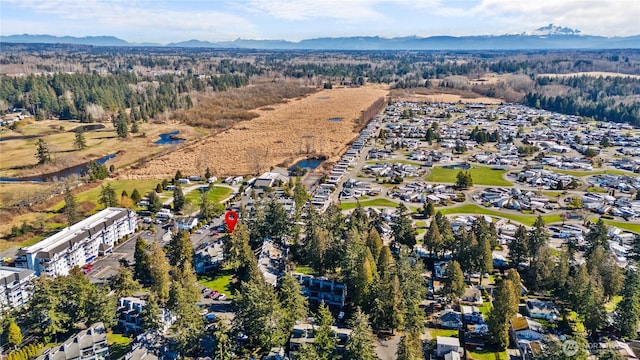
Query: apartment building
{"type": "Point", "coordinates": [89, 344]}
{"type": "Point", "coordinates": [78, 244]}
{"type": "Point", "coordinates": [15, 286]}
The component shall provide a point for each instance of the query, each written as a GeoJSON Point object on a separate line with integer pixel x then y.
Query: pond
{"type": "Point", "coordinates": [61, 174]}
{"type": "Point", "coordinates": [170, 138]}
{"type": "Point", "coordinates": [307, 164]}
{"type": "Point", "coordinates": [335, 119]}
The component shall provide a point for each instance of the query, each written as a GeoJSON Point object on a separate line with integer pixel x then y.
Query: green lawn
{"type": "Point", "coordinates": [373, 202]}
{"type": "Point", "coordinates": [553, 193]}
{"type": "Point", "coordinates": [633, 227]}
{"type": "Point", "coordinates": [442, 332]}
{"type": "Point", "coordinates": [305, 269]}
{"type": "Point", "coordinates": [481, 175]}
{"type": "Point", "coordinates": [487, 355]}
{"type": "Point", "coordinates": [476, 209]}
{"type": "Point", "coordinates": [397, 161]}
{"type": "Point", "coordinates": [143, 186]}
{"type": "Point", "coordinates": [215, 195]}
{"type": "Point", "coordinates": [118, 345]}
{"type": "Point", "coordinates": [220, 282]}
{"type": "Point", "coordinates": [578, 173]}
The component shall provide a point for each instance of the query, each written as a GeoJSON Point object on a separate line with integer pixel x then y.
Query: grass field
{"type": "Point", "coordinates": [143, 186]}
{"type": "Point", "coordinates": [442, 332]}
{"type": "Point", "coordinates": [633, 227]}
{"type": "Point", "coordinates": [476, 209]}
{"type": "Point", "coordinates": [611, 305]}
{"type": "Point", "coordinates": [18, 155]}
{"type": "Point", "coordinates": [215, 195]}
{"type": "Point", "coordinates": [118, 345]}
{"type": "Point", "coordinates": [373, 202]}
{"type": "Point", "coordinates": [589, 173]}
{"type": "Point", "coordinates": [481, 175]}
{"type": "Point", "coordinates": [220, 282]}
{"type": "Point", "coordinates": [487, 355]}
{"type": "Point", "coordinates": [398, 161]}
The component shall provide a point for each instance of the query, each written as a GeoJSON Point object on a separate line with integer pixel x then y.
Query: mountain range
{"type": "Point", "coordinates": [546, 37]}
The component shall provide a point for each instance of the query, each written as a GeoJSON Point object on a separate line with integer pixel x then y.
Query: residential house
{"type": "Point", "coordinates": [446, 345]}
{"type": "Point", "coordinates": [188, 223]}
{"type": "Point", "coordinates": [305, 334]}
{"type": "Point", "coordinates": [471, 315]}
{"type": "Point", "coordinates": [451, 319]}
{"type": "Point", "coordinates": [524, 328]}
{"type": "Point", "coordinates": [89, 344]}
{"type": "Point", "coordinates": [273, 178]}
{"type": "Point", "coordinates": [16, 286]}
{"type": "Point", "coordinates": [539, 309]}
{"type": "Point", "coordinates": [78, 244]}
{"type": "Point", "coordinates": [472, 296]}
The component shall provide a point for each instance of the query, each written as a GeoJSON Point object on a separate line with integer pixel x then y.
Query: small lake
{"type": "Point", "coordinates": [64, 173]}
{"type": "Point", "coordinates": [307, 164]}
{"type": "Point", "coordinates": [170, 138]}
{"type": "Point", "coordinates": [335, 119]}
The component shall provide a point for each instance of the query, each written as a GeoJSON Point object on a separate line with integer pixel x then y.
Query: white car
{"type": "Point", "coordinates": [198, 232]}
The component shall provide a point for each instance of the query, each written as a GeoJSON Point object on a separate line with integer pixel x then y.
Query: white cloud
{"type": "Point", "coordinates": [346, 10]}
{"type": "Point", "coordinates": [618, 17]}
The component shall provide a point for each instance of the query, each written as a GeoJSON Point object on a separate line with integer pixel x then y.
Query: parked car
{"type": "Point", "coordinates": [213, 294]}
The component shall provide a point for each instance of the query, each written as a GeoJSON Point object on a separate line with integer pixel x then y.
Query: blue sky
{"type": "Point", "coordinates": [165, 21]}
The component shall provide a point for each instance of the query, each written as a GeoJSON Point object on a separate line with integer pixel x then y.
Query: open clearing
{"type": "Point", "coordinates": [289, 132]}
{"type": "Point", "coordinates": [439, 95]}
{"type": "Point", "coordinates": [18, 155]}
{"type": "Point", "coordinates": [591, 73]}
{"type": "Point", "coordinates": [476, 209]}
{"type": "Point", "coordinates": [481, 175]}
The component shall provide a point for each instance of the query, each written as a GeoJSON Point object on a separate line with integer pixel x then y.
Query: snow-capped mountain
{"type": "Point", "coordinates": [552, 30]}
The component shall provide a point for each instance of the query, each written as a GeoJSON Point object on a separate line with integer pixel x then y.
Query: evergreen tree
{"type": "Point", "coordinates": [134, 127]}
{"type": "Point", "coordinates": [151, 314]}
{"type": "Point", "coordinates": [258, 314]}
{"type": "Point", "coordinates": [80, 142]}
{"type": "Point", "coordinates": [403, 231]}
{"type": "Point", "coordinates": [159, 273]}
{"type": "Point", "coordinates": [592, 310]}
{"type": "Point", "coordinates": [464, 180]}
{"type": "Point", "coordinates": [135, 196]}
{"type": "Point", "coordinates": [108, 196]}
{"type": "Point", "coordinates": [42, 153]}
{"type": "Point", "coordinates": [428, 210]}
{"type": "Point", "coordinates": [207, 173]}
{"type": "Point", "coordinates": [292, 301]}
{"type": "Point", "coordinates": [361, 342]}
{"type": "Point", "coordinates": [325, 341]}
{"type": "Point", "coordinates": [627, 315]}
{"type": "Point", "coordinates": [519, 246]}
{"type": "Point", "coordinates": [178, 199]}
{"type": "Point", "coordinates": [223, 344]}
{"type": "Point", "coordinates": [141, 258]}
{"type": "Point", "coordinates": [538, 238]}
{"type": "Point", "coordinates": [410, 347]}
{"type": "Point", "coordinates": [123, 283]}
{"type": "Point", "coordinates": [505, 306]}
{"type": "Point", "coordinates": [71, 207]}
{"type": "Point", "coordinates": [433, 240]}
{"type": "Point", "coordinates": [598, 236]}
{"type": "Point", "coordinates": [180, 249]}
{"type": "Point", "coordinates": [374, 243]}
{"type": "Point", "coordinates": [454, 285]}
{"type": "Point", "coordinates": [154, 203]}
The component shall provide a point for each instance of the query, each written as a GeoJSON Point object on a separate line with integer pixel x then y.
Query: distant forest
{"type": "Point", "coordinates": [92, 83]}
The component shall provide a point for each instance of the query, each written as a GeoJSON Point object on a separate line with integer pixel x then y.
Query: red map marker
{"type": "Point", "coordinates": [231, 218]}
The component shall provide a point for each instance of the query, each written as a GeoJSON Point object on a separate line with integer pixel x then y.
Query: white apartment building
{"type": "Point", "coordinates": [15, 286]}
{"type": "Point", "coordinates": [78, 244]}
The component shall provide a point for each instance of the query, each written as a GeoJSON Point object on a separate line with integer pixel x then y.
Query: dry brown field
{"type": "Point", "coordinates": [439, 95]}
{"type": "Point", "coordinates": [280, 135]}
